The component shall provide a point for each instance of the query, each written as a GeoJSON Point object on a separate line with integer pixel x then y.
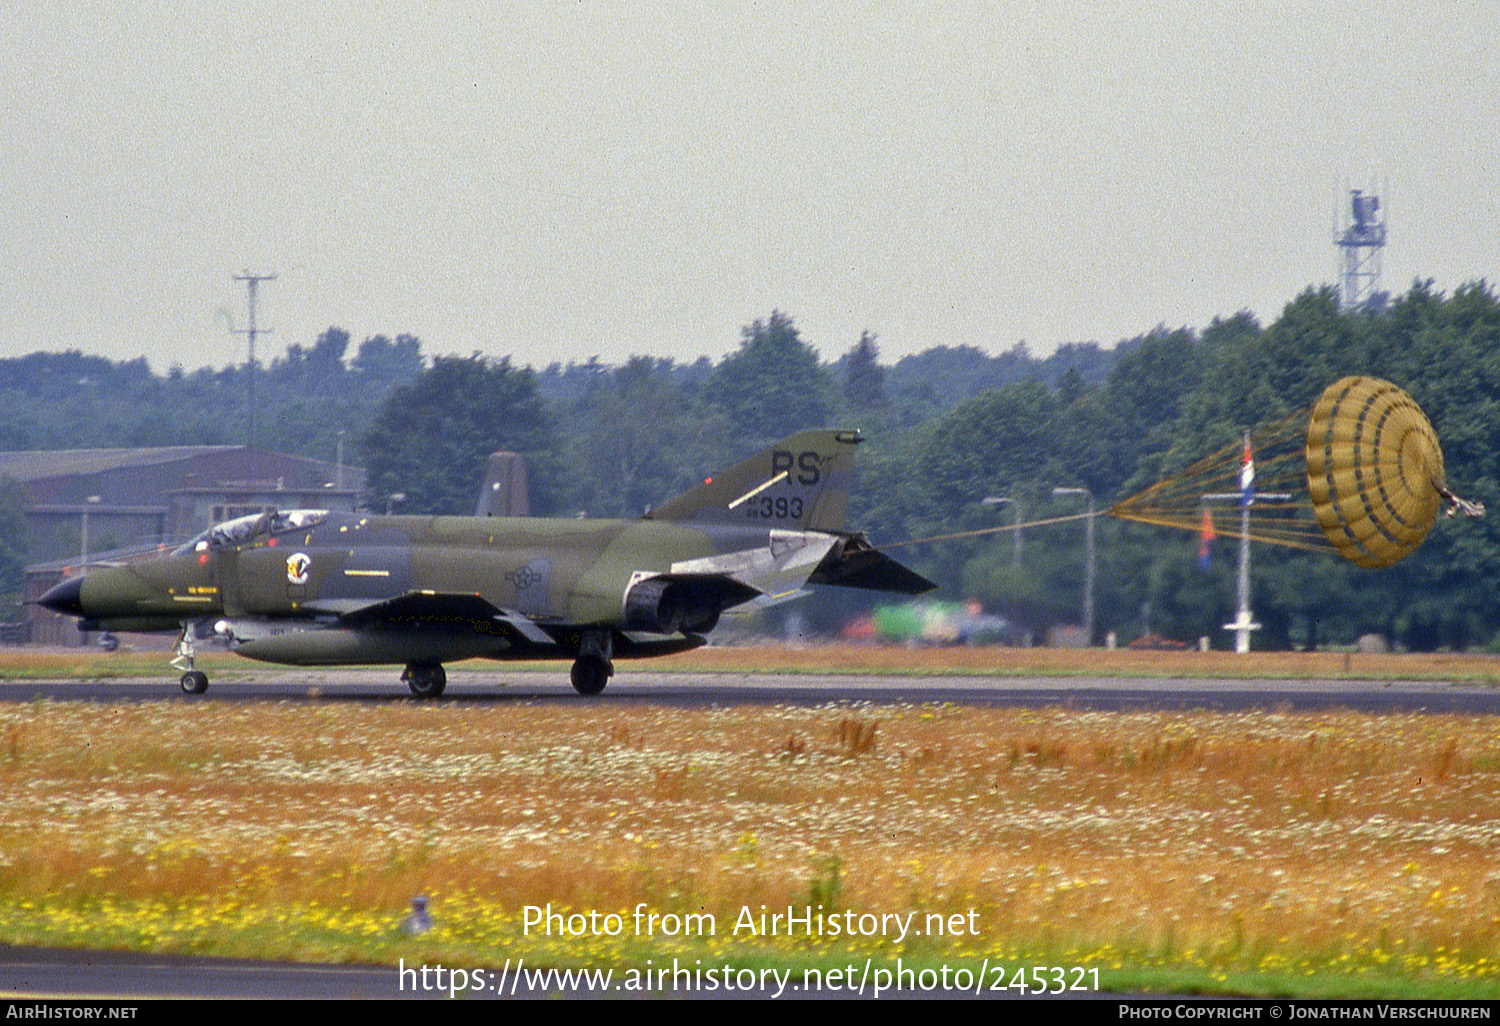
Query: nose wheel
{"type": "Point", "coordinates": [193, 681]}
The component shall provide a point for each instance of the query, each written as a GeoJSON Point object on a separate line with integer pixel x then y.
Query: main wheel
{"type": "Point", "coordinates": [425, 680]}
{"type": "Point", "coordinates": [590, 674]}
{"type": "Point", "coordinates": [194, 682]}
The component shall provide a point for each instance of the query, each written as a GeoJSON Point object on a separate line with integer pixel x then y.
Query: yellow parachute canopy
{"type": "Point", "coordinates": [1360, 474]}
{"type": "Point", "coordinates": [1374, 470]}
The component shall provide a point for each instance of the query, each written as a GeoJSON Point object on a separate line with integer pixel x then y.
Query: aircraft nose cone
{"type": "Point", "coordinates": [66, 597]}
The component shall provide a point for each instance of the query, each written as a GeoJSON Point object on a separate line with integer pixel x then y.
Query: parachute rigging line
{"type": "Point", "coordinates": [1279, 512]}
{"type": "Point", "coordinates": [1360, 473]}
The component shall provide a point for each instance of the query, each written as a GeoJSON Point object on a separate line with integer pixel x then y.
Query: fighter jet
{"type": "Point", "coordinates": [312, 587]}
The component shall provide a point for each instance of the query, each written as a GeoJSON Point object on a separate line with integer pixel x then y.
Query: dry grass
{"type": "Point", "coordinates": [1338, 845]}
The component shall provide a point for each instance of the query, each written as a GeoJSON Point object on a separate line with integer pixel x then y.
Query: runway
{"type": "Point", "coordinates": [696, 690]}
{"type": "Point", "coordinates": [121, 976]}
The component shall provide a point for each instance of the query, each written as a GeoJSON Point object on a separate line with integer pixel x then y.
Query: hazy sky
{"type": "Point", "coordinates": [557, 180]}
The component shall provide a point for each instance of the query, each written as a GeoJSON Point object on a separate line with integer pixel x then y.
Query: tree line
{"type": "Point", "coordinates": [948, 429]}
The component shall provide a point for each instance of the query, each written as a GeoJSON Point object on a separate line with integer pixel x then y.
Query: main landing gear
{"type": "Point", "coordinates": [593, 667]}
{"type": "Point", "coordinates": [193, 681]}
{"type": "Point", "coordinates": [590, 674]}
{"type": "Point", "coordinates": [426, 680]}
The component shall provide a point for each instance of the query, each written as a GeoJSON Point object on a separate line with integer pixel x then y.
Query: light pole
{"type": "Point", "coordinates": [1088, 560]}
{"type": "Point", "coordinates": [1015, 504]}
{"type": "Point", "coordinates": [392, 499]}
{"type": "Point", "coordinates": [83, 545]}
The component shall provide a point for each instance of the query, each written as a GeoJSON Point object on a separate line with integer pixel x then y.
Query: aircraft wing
{"type": "Point", "coordinates": [430, 609]}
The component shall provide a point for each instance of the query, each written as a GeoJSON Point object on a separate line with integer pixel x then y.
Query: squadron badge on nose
{"type": "Point", "coordinates": [297, 565]}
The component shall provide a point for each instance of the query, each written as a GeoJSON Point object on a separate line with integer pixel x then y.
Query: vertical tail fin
{"type": "Point", "coordinates": [800, 483]}
{"type": "Point", "coordinates": [503, 492]}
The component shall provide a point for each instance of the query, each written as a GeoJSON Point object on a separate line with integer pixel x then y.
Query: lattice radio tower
{"type": "Point", "coordinates": [1360, 241]}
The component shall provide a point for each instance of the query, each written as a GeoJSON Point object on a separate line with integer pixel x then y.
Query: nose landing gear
{"type": "Point", "coordinates": [193, 681]}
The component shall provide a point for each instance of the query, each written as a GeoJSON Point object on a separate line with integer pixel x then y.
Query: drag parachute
{"type": "Point", "coordinates": [1374, 470]}
{"type": "Point", "coordinates": [1360, 473]}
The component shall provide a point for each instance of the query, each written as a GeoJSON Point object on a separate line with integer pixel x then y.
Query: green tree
{"type": "Point", "coordinates": [772, 386]}
{"type": "Point", "coordinates": [635, 426]}
{"type": "Point", "coordinates": [864, 378]}
{"type": "Point", "coordinates": [382, 364]}
{"type": "Point", "coordinates": [1002, 443]}
{"type": "Point", "coordinates": [431, 438]}
{"type": "Point", "coordinates": [989, 443]}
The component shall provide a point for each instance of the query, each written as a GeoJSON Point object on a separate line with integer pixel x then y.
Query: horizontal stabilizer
{"type": "Point", "coordinates": [856, 564]}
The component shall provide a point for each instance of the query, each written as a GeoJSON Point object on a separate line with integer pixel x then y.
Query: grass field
{"type": "Point", "coordinates": [1259, 852]}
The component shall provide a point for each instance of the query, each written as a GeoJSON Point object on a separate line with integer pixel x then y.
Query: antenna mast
{"type": "Point", "coordinates": [1359, 246]}
{"type": "Point", "coordinates": [251, 281]}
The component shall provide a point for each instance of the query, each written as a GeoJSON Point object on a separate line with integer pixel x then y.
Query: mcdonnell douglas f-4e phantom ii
{"type": "Point", "coordinates": [321, 588]}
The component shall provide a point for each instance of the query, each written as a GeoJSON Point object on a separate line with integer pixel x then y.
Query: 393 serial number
{"type": "Point", "coordinates": [779, 508]}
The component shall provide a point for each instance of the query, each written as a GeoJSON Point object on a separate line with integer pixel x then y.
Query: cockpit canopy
{"type": "Point", "coordinates": [245, 529]}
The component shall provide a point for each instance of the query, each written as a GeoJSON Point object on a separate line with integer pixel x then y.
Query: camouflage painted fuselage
{"type": "Point", "coordinates": [313, 587]}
